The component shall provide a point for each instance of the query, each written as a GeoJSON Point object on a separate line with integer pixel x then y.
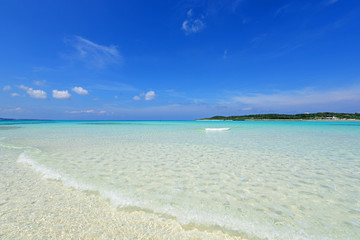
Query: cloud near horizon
{"type": "Point", "coordinates": [61, 94]}
{"type": "Point", "coordinates": [39, 82]}
{"type": "Point", "coordinates": [136, 98]}
{"type": "Point", "coordinates": [40, 94]}
{"type": "Point", "coordinates": [86, 111]}
{"type": "Point", "coordinates": [80, 90]}
{"type": "Point", "coordinates": [13, 109]}
{"type": "Point", "coordinates": [6, 88]}
{"type": "Point", "coordinates": [305, 97]}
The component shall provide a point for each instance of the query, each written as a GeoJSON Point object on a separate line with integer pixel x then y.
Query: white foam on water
{"type": "Point", "coordinates": [49, 173]}
{"type": "Point", "coordinates": [119, 200]}
{"type": "Point", "coordinates": [45, 172]}
{"type": "Point", "coordinates": [216, 129]}
{"type": "Point", "coordinates": [115, 197]}
{"type": "Point", "coordinates": [242, 226]}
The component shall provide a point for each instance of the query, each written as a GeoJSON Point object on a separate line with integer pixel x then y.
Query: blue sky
{"type": "Point", "coordinates": [150, 60]}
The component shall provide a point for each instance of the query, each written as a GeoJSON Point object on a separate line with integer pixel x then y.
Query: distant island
{"type": "Point", "coordinates": [321, 116]}
{"type": "Point", "coordinates": [6, 119]}
{"type": "Point", "coordinates": [15, 119]}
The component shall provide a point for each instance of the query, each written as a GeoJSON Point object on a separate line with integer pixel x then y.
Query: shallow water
{"type": "Point", "coordinates": [259, 180]}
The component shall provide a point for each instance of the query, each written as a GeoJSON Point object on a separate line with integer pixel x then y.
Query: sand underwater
{"type": "Point", "coordinates": [174, 180]}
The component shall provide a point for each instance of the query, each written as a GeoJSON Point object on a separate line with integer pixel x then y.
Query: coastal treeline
{"type": "Point", "coordinates": [301, 116]}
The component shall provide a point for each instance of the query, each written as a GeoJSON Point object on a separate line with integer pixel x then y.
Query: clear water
{"type": "Point", "coordinates": [259, 180]}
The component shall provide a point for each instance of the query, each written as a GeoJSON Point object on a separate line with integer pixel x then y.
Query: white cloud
{"type": "Point", "coordinates": [299, 98]}
{"type": "Point", "coordinates": [39, 82]}
{"type": "Point", "coordinates": [13, 109]}
{"type": "Point", "coordinates": [40, 94]}
{"type": "Point", "coordinates": [94, 54]}
{"type": "Point", "coordinates": [116, 97]}
{"type": "Point", "coordinates": [81, 111]}
{"type": "Point", "coordinates": [23, 87]}
{"type": "Point", "coordinates": [14, 94]}
{"type": "Point", "coordinates": [86, 111]}
{"type": "Point", "coordinates": [192, 25]}
{"type": "Point", "coordinates": [150, 95]}
{"type": "Point", "coordinates": [80, 90]}
{"type": "Point", "coordinates": [61, 94]}
{"type": "Point", "coordinates": [6, 88]}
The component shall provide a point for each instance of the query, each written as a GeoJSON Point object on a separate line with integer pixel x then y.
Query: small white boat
{"type": "Point", "coordinates": [216, 129]}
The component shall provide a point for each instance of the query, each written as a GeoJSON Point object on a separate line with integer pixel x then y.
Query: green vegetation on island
{"type": "Point", "coordinates": [302, 116]}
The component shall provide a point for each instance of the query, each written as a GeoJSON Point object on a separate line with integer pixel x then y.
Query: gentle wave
{"type": "Point", "coordinates": [49, 173]}
{"type": "Point", "coordinates": [115, 197]}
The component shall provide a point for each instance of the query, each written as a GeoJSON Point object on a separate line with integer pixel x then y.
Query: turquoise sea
{"type": "Point", "coordinates": [257, 180]}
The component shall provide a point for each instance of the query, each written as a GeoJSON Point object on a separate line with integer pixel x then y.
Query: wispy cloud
{"type": "Point", "coordinates": [136, 98]}
{"type": "Point", "coordinates": [282, 9]}
{"type": "Point", "coordinates": [170, 111]}
{"type": "Point", "coordinates": [93, 53]}
{"type": "Point", "coordinates": [305, 97]}
{"type": "Point", "coordinates": [61, 94]}
{"type": "Point", "coordinates": [6, 88]}
{"type": "Point", "coordinates": [86, 111]}
{"type": "Point", "coordinates": [330, 2]}
{"type": "Point", "coordinates": [39, 82]}
{"type": "Point", "coordinates": [40, 94]}
{"type": "Point", "coordinates": [191, 24]}
{"type": "Point", "coordinates": [258, 38]}
{"type": "Point", "coordinates": [14, 94]}
{"type": "Point", "coordinates": [235, 5]}
{"type": "Point", "coordinates": [113, 86]}
{"type": "Point", "coordinates": [13, 109]}
{"type": "Point", "coordinates": [80, 90]}
{"type": "Point", "coordinates": [43, 69]}
{"type": "Point", "coordinates": [225, 55]}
